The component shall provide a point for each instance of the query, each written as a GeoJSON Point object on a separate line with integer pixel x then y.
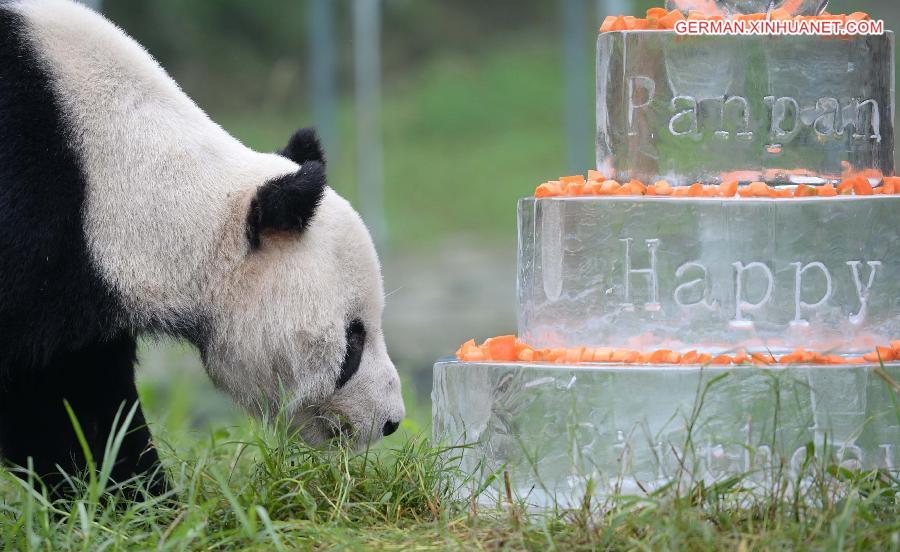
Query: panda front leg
{"type": "Point", "coordinates": [96, 380]}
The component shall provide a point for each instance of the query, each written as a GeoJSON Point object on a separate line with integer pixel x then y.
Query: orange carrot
{"type": "Point", "coordinates": [657, 13]}
{"type": "Point", "coordinates": [620, 24]}
{"type": "Point", "coordinates": [663, 188]}
{"type": "Point", "coordinates": [668, 21]}
{"type": "Point", "coordinates": [804, 191]}
{"type": "Point", "coordinates": [827, 190]}
{"type": "Point", "coordinates": [728, 189]}
{"type": "Point", "coordinates": [609, 187]}
{"type": "Point", "coordinates": [608, 24]}
{"type": "Point", "coordinates": [502, 347]}
{"type": "Point", "coordinates": [548, 189]}
{"type": "Point", "coordinates": [861, 186]}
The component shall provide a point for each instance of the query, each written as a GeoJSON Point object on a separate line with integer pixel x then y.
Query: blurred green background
{"type": "Point", "coordinates": [480, 101]}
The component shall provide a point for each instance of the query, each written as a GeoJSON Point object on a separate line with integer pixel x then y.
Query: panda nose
{"type": "Point", "coordinates": [389, 427]}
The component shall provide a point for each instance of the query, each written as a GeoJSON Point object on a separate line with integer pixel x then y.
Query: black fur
{"type": "Point", "coordinates": [304, 146]}
{"type": "Point", "coordinates": [356, 342]}
{"type": "Point", "coordinates": [286, 204]}
{"type": "Point", "coordinates": [58, 320]}
{"type": "Point", "coordinates": [96, 381]}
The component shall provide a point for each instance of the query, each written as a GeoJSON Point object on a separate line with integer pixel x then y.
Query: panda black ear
{"type": "Point", "coordinates": [287, 203]}
{"type": "Point", "coordinates": [304, 146]}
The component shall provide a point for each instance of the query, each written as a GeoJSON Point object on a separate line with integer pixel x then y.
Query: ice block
{"type": "Point", "coordinates": [554, 428]}
{"type": "Point", "coordinates": [710, 274]}
{"type": "Point", "coordinates": [773, 108]}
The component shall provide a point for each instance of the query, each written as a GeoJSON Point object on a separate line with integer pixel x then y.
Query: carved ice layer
{"type": "Point", "coordinates": [710, 274]}
{"type": "Point", "coordinates": [626, 428]}
{"type": "Point", "coordinates": [776, 108]}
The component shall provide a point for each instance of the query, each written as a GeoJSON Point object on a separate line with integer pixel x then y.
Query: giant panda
{"type": "Point", "coordinates": [124, 210]}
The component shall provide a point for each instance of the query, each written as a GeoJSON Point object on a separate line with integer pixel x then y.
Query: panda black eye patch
{"type": "Point", "coordinates": [356, 341]}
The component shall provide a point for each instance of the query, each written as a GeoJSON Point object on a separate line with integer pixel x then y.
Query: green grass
{"type": "Point", "coordinates": [245, 484]}
{"type": "Point", "coordinates": [252, 487]}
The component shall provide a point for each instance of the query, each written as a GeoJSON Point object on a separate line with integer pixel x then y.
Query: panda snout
{"type": "Point", "coordinates": [389, 427]}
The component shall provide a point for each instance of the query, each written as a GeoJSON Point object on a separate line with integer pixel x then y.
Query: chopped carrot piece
{"type": "Point", "coordinates": [575, 178]}
{"type": "Point", "coordinates": [704, 358]}
{"type": "Point", "coordinates": [548, 189]}
{"type": "Point", "coordinates": [695, 189]}
{"type": "Point", "coordinates": [465, 348]}
{"type": "Point", "coordinates": [690, 357]}
{"type": "Point", "coordinates": [680, 191]}
{"type": "Point", "coordinates": [575, 188]}
{"type": "Point", "coordinates": [609, 187]}
{"type": "Point", "coordinates": [804, 191]}
{"type": "Point", "coordinates": [659, 356]}
{"type": "Point", "coordinates": [741, 357]}
{"type": "Point", "coordinates": [861, 186]}
{"type": "Point", "coordinates": [845, 187]}
{"type": "Point", "coordinates": [639, 24]}
{"type": "Point", "coordinates": [856, 360]}
{"type": "Point", "coordinates": [668, 21]}
{"type": "Point", "coordinates": [722, 359]}
{"type": "Point", "coordinates": [757, 189]}
{"type": "Point", "coordinates": [620, 24]}
{"type": "Point", "coordinates": [858, 16]}
{"type": "Point", "coordinates": [663, 188]}
{"type": "Point", "coordinates": [637, 187]}
{"type": "Point", "coordinates": [555, 354]}
{"type": "Point", "coordinates": [895, 345]}
{"type": "Point", "coordinates": [883, 354]}
{"type": "Point", "coordinates": [827, 190]}
{"type": "Point", "coordinates": [763, 358]}
{"type": "Point", "coordinates": [593, 187]}
{"type": "Point", "coordinates": [673, 357]}
{"type": "Point", "coordinates": [624, 355]}
{"type": "Point", "coordinates": [835, 359]}
{"type": "Point", "coordinates": [526, 355]}
{"type": "Point", "coordinates": [728, 189]}
{"type": "Point", "coordinates": [594, 175]}
{"type": "Point", "coordinates": [657, 13]}
{"type": "Point", "coordinates": [474, 356]}
{"type": "Point", "coordinates": [573, 356]}
{"type": "Point", "coordinates": [502, 347]}
{"type": "Point", "coordinates": [608, 24]}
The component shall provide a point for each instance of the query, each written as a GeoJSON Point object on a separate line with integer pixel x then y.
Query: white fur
{"type": "Point", "coordinates": [168, 192]}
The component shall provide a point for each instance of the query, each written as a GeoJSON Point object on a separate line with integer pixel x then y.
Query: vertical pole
{"type": "Point", "coordinates": [367, 73]}
{"type": "Point", "coordinates": [320, 30]}
{"type": "Point", "coordinates": [577, 87]}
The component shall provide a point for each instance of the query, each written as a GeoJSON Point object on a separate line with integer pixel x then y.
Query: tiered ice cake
{"type": "Point", "coordinates": [722, 291]}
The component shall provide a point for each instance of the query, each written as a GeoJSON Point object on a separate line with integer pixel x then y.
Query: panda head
{"type": "Point", "coordinates": [295, 325]}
